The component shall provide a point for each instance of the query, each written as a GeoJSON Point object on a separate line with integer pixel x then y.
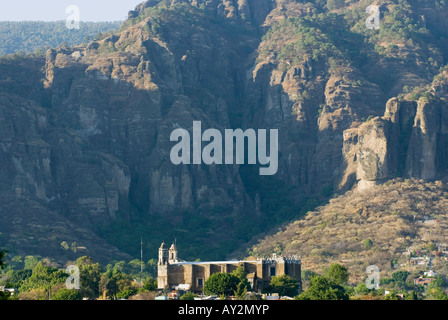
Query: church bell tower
{"type": "Point", "coordinates": [163, 255]}
{"type": "Point", "coordinates": [162, 268]}
{"type": "Point", "coordinates": [173, 254]}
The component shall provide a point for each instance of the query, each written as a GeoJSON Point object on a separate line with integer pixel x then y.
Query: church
{"type": "Point", "coordinates": [173, 273]}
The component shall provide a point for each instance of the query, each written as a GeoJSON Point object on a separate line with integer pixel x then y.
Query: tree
{"type": "Point", "coordinates": [31, 262]}
{"type": "Point", "coordinates": [90, 276]}
{"type": "Point", "coordinates": [124, 283]}
{"type": "Point", "coordinates": [151, 266]}
{"type": "Point", "coordinates": [65, 245]}
{"type": "Point", "coordinates": [17, 277]}
{"type": "Point", "coordinates": [17, 262]}
{"type": "Point", "coordinates": [337, 274]}
{"type": "Point", "coordinates": [411, 296]}
{"type": "Point", "coordinates": [242, 275]}
{"type": "Point", "coordinates": [32, 36]}
{"type": "Point", "coordinates": [67, 294]}
{"type": "Point", "coordinates": [335, 4]}
{"type": "Point", "coordinates": [323, 289]}
{"type": "Point", "coordinates": [284, 285]}
{"type": "Point", "coordinates": [362, 290]}
{"type": "Point", "coordinates": [119, 267]}
{"type": "Point", "coordinates": [221, 284]}
{"type": "Point", "coordinates": [150, 284]}
{"type": "Point", "coordinates": [241, 291]}
{"type": "Point", "coordinates": [108, 287]}
{"type": "Point", "coordinates": [125, 294]}
{"type": "Point", "coordinates": [135, 266]}
{"type": "Point", "coordinates": [33, 294]}
{"type": "Point", "coordinates": [368, 243]}
{"type": "Point", "coordinates": [2, 257]}
{"type": "Point", "coordinates": [43, 277]}
{"type": "Point", "coordinates": [4, 296]}
{"type": "Point", "coordinates": [391, 296]}
{"type": "Point", "coordinates": [431, 246]}
{"type": "Point", "coordinates": [188, 296]}
{"type": "Point", "coordinates": [438, 282]}
{"type": "Point", "coordinates": [400, 277]}
{"type": "Point", "coordinates": [436, 293]}
{"type": "Point", "coordinates": [308, 274]}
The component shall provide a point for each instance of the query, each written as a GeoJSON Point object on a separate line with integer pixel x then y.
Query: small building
{"type": "Point", "coordinates": [175, 273]}
{"type": "Point", "coordinates": [431, 222]}
{"type": "Point", "coordinates": [423, 281]}
{"type": "Point", "coordinates": [10, 290]}
{"type": "Point", "coordinates": [273, 296]}
{"type": "Point", "coordinates": [430, 273]}
{"type": "Point", "coordinates": [207, 298]}
{"type": "Point", "coordinates": [442, 248]}
{"type": "Point", "coordinates": [421, 261]}
{"type": "Point", "coordinates": [173, 295]}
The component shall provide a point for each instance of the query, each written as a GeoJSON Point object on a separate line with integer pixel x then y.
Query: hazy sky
{"type": "Point", "coordinates": [52, 10]}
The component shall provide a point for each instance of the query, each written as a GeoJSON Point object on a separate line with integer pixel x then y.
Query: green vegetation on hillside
{"type": "Point", "coordinates": [35, 278]}
{"type": "Point", "coordinates": [316, 37]}
{"type": "Point", "coordinates": [32, 36]}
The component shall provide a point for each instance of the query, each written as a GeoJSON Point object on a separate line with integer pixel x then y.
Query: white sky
{"type": "Point", "coordinates": [54, 10]}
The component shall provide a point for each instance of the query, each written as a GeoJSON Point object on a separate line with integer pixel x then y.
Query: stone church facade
{"type": "Point", "coordinates": [191, 276]}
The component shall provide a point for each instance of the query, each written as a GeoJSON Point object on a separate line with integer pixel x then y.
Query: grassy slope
{"type": "Point", "coordinates": [391, 215]}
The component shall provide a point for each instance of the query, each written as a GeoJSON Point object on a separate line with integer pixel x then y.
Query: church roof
{"type": "Point", "coordinates": [213, 262]}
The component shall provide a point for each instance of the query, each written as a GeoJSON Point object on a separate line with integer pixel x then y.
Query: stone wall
{"type": "Point", "coordinates": [259, 272]}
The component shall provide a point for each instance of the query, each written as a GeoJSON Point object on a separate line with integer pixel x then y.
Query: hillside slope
{"type": "Point", "coordinates": [396, 216]}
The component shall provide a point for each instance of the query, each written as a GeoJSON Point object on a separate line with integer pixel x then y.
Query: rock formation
{"type": "Point", "coordinates": [85, 131]}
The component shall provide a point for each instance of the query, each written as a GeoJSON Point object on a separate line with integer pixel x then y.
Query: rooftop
{"type": "Point", "coordinates": [214, 262]}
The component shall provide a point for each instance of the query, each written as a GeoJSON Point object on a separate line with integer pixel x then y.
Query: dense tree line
{"type": "Point", "coordinates": [32, 36]}
{"type": "Point", "coordinates": [35, 278]}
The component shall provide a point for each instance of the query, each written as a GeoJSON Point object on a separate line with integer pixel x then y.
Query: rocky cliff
{"type": "Point", "coordinates": [86, 130]}
{"type": "Point", "coordinates": [410, 140]}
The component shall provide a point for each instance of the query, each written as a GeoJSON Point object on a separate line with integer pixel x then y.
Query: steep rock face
{"type": "Point", "coordinates": [427, 146]}
{"type": "Point", "coordinates": [39, 160]}
{"type": "Point", "coordinates": [117, 106]}
{"type": "Point", "coordinates": [26, 157]}
{"type": "Point", "coordinates": [118, 101]}
{"type": "Point", "coordinates": [311, 103]}
{"type": "Point", "coordinates": [51, 190]}
{"type": "Point", "coordinates": [92, 143]}
{"type": "Point", "coordinates": [409, 141]}
{"type": "Point", "coordinates": [374, 151]}
{"type": "Point", "coordinates": [347, 103]}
